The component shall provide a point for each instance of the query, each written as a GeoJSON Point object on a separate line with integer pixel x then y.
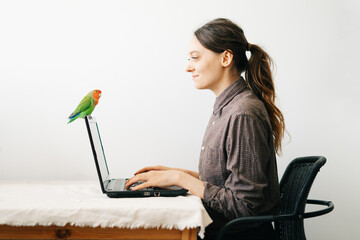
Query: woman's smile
{"type": "Point", "coordinates": [195, 76]}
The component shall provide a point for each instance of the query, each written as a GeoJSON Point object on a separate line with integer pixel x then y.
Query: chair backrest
{"type": "Point", "coordinates": [294, 189]}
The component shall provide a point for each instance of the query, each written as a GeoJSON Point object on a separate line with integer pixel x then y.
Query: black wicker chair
{"type": "Point", "coordinates": [294, 189]}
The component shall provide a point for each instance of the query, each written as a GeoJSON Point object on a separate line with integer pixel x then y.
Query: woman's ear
{"type": "Point", "coordinates": [227, 57]}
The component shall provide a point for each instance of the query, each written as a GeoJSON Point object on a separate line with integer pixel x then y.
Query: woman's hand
{"type": "Point", "coordinates": [160, 176]}
{"type": "Point", "coordinates": [157, 176]}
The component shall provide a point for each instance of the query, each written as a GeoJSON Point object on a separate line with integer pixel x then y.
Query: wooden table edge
{"type": "Point", "coordinates": [76, 232]}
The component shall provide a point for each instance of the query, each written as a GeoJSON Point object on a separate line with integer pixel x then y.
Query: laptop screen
{"type": "Point", "coordinates": [99, 150]}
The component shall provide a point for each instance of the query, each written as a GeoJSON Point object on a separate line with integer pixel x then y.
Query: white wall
{"type": "Point", "coordinates": [52, 53]}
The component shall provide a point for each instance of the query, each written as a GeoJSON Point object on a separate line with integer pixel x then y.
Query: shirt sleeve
{"type": "Point", "coordinates": [247, 152]}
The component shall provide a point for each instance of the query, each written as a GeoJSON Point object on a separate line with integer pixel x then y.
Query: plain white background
{"type": "Point", "coordinates": [52, 53]}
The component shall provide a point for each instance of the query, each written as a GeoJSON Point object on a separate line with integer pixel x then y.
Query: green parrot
{"type": "Point", "coordinates": [86, 106]}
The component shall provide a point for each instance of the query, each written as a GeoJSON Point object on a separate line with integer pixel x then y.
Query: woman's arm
{"type": "Point", "coordinates": [192, 173]}
{"type": "Point", "coordinates": [192, 183]}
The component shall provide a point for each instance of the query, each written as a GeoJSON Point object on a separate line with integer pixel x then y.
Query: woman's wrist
{"type": "Point", "coordinates": [192, 173]}
{"type": "Point", "coordinates": [191, 183]}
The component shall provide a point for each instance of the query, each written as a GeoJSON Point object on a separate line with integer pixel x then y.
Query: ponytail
{"type": "Point", "coordinates": [259, 78]}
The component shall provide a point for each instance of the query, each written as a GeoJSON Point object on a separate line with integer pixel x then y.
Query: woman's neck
{"type": "Point", "coordinates": [225, 82]}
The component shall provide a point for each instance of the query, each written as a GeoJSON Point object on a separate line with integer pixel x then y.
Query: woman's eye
{"type": "Point", "coordinates": [193, 58]}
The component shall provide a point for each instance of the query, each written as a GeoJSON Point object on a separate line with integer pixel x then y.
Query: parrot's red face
{"type": "Point", "coordinates": [97, 94]}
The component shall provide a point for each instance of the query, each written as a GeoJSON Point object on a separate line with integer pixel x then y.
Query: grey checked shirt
{"type": "Point", "coordinates": [237, 160]}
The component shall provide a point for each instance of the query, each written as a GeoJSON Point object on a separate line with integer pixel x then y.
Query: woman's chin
{"type": "Point", "coordinates": [199, 85]}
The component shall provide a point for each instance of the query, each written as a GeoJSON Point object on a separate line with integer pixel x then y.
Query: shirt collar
{"type": "Point", "coordinates": [228, 94]}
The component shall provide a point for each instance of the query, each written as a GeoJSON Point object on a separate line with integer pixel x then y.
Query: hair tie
{"type": "Point", "coordinates": [248, 47]}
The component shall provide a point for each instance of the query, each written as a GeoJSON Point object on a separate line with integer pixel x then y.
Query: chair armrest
{"type": "Point", "coordinates": [272, 218]}
{"type": "Point", "coordinates": [329, 204]}
{"type": "Point", "coordinates": [253, 219]}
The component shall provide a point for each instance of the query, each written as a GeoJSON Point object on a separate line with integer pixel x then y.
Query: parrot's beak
{"type": "Point", "coordinates": [99, 95]}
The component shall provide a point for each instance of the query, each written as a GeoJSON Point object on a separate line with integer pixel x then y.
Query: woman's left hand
{"type": "Point", "coordinates": [155, 178]}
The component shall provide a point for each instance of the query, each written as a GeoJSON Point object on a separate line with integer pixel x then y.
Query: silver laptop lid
{"type": "Point", "coordinates": [98, 150]}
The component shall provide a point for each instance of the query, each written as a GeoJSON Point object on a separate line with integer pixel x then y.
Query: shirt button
{"type": "Point", "coordinates": [202, 148]}
{"type": "Point", "coordinates": [213, 122]}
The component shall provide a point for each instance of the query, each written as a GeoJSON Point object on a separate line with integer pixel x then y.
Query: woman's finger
{"type": "Point", "coordinates": [143, 185]}
{"type": "Point", "coordinates": [145, 169]}
{"type": "Point", "coordinates": [134, 179]}
{"type": "Point", "coordinates": [151, 168]}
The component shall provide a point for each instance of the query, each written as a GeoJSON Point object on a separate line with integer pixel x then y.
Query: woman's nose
{"type": "Point", "coordinates": [189, 67]}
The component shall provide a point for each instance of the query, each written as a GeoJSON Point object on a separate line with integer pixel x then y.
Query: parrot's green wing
{"type": "Point", "coordinates": [85, 104]}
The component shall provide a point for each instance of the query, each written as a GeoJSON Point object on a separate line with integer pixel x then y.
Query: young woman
{"type": "Point", "coordinates": [237, 169]}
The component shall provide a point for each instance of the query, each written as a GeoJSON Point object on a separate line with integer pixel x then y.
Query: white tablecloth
{"type": "Point", "coordinates": [83, 204]}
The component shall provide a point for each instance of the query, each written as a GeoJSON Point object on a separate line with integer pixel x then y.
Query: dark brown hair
{"type": "Point", "coordinates": [222, 34]}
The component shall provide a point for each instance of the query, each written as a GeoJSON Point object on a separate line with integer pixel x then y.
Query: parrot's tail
{"type": "Point", "coordinates": [73, 118]}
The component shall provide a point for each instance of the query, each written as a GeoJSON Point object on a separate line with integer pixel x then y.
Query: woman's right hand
{"type": "Point", "coordinates": [152, 168]}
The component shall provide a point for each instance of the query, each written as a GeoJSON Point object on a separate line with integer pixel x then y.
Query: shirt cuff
{"type": "Point", "coordinates": [210, 192]}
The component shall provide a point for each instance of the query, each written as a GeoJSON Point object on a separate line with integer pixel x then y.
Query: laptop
{"type": "Point", "coordinates": [115, 188]}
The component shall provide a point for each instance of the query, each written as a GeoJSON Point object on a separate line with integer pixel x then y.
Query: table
{"type": "Point", "coordinates": [79, 210]}
{"type": "Point", "coordinates": [74, 232]}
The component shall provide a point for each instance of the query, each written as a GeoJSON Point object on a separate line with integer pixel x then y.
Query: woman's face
{"type": "Point", "coordinates": [205, 66]}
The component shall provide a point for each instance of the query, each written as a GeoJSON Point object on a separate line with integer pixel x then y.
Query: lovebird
{"type": "Point", "coordinates": [86, 106]}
